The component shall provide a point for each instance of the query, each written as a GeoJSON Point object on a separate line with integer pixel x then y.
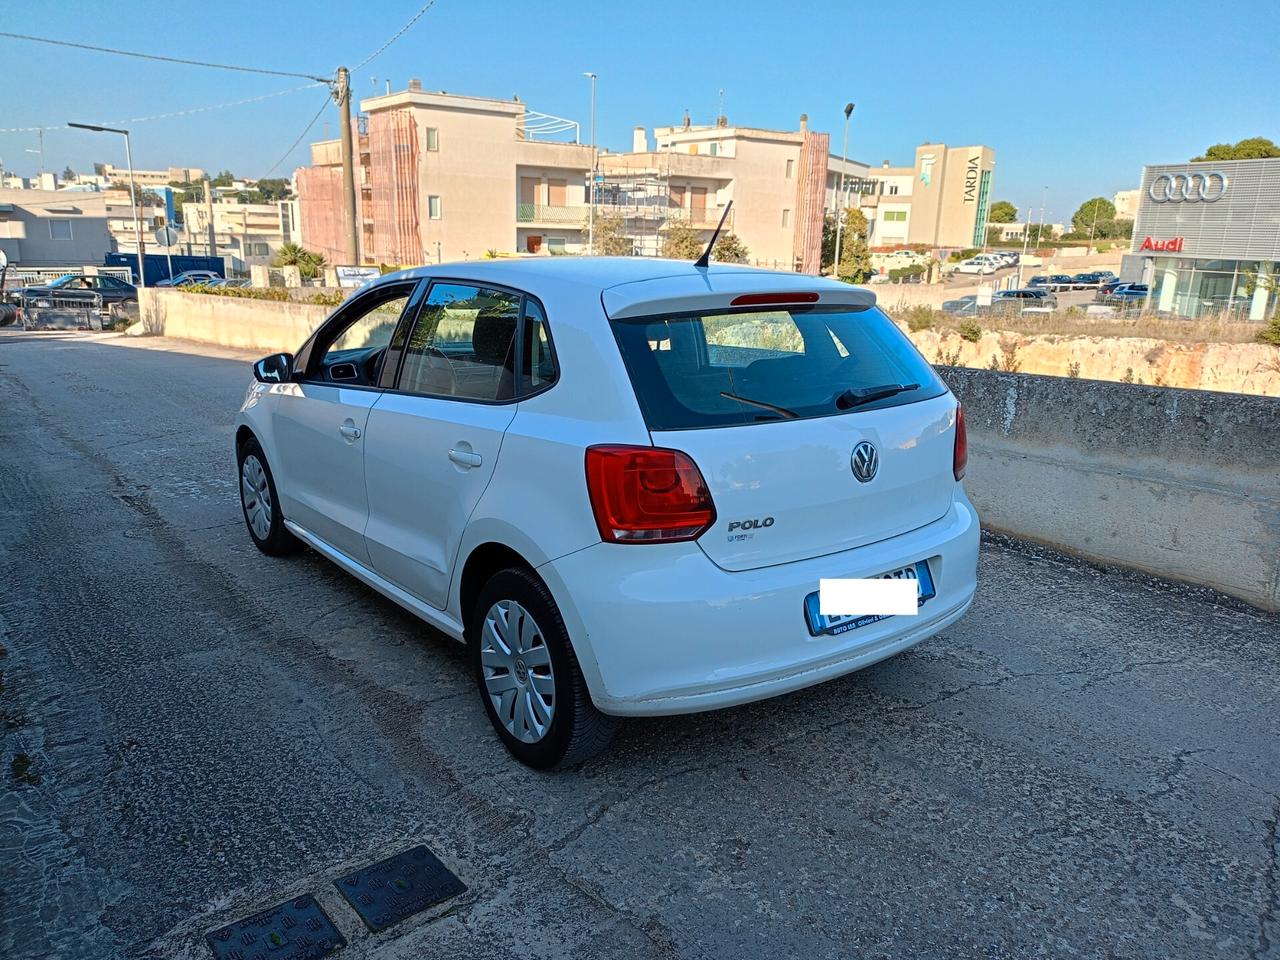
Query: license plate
{"type": "Point", "coordinates": [829, 625]}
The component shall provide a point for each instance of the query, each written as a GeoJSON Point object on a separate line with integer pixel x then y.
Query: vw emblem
{"type": "Point", "coordinates": [865, 462]}
{"type": "Point", "coordinates": [1188, 187]}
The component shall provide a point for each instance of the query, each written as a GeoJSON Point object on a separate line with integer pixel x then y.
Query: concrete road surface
{"type": "Point", "coordinates": [1086, 766]}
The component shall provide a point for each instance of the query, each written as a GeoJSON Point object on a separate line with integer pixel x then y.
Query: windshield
{"type": "Point", "coordinates": [725, 369]}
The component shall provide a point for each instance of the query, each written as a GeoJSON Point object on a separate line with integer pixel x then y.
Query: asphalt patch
{"type": "Point", "coordinates": [398, 887]}
{"type": "Point", "coordinates": [297, 930]}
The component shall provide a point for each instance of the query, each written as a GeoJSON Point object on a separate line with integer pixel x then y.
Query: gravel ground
{"type": "Point", "coordinates": [1085, 766]}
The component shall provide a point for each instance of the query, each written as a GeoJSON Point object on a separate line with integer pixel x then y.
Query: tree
{"type": "Point", "coordinates": [729, 248]}
{"type": "Point", "coordinates": [681, 241]}
{"type": "Point", "coordinates": [1002, 211]}
{"type": "Point", "coordinates": [611, 237]}
{"type": "Point", "coordinates": [275, 188]}
{"type": "Point", "coordinates": [855, 255]}
{"type": "Point", "coordinates": [68, 174]}
{"type": "Point", "coordinates": [1099, 208]}
{"type": "Point", "coordinates": [995, 234]}
{"type": "Point", "coordinates": [1251, 148]}
{"type": "Point", "coordinates": [223, 179]}
{"type": "Point", "coordinates": [307, 261]}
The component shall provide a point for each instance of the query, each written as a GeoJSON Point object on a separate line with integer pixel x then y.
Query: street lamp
{"type": "Point", "coordinates": [840, 197]}
{"type": "Point", "coordinates": [133, 191]}
{"type": "Point", "coordinates": [591, 187]}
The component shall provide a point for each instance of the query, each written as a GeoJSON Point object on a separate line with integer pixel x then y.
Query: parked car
{"type": "Point", "coordinates": [1060, 281]}
{"type": "Point", "coordinates": [1105, 275]}
{"type": "Point", "coordinates": [1032, 297]}
{"type": "Point", "coordinates": [233, 282]}
{"type": "Point", "coordinates": [1107, 286]}
{"type": "Point", "coordinates": [1125, 293]}
{"type": "Point", "coordinates": [967, 304]}
{"type": "Point", "coordinates": [189, 278]}
{"type": "Point", "coordinates": [605, 477]}
{"type": "Point", "coordinates": [75, 287]}
{"type": "Point", "coordinates": [1084, 281]}
{"type": "Point", "coordinates": [979, 265]}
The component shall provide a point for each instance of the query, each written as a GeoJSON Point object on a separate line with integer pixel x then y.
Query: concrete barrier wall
{"type": "Point", "coordinates": [1184, 484]}
{"type": "Point", "coordinates": [267, 325]}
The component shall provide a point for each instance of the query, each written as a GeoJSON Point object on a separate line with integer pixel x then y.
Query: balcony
{"type": "Point", "coordinates": [699, 218]}
{"type": "Point", "coordinates": [575, 215]}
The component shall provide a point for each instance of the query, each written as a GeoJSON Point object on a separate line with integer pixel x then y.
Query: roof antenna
{"type": "Point", "coordinates": [705, 259]}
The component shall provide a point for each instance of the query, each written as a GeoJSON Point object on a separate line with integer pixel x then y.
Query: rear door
{"type": "Point", "coordinates": [796, 466]}
{"type": "Point", "coordinates": [433, 441]}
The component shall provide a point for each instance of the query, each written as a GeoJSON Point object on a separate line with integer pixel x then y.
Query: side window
{"type": "Point", "coordinates": [463, 344]}
{"type": "Point", "coordinates": [539, 365]}
{"type": "Point", "coordinates": [370, 329]}
{"type": "Point", "coordinates": [353, 347]}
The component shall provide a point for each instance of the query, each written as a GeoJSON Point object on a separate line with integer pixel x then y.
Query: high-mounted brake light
{"type": "Point", "coordinates": [772, 299]}
{"type": "Point", "coordinates": [647, 495]}
{"type": "Point", "coordinates": [960, 457]}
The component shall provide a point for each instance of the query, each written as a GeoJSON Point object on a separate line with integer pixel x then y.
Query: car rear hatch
{"type": "Point", "coordinates": [785, 455]}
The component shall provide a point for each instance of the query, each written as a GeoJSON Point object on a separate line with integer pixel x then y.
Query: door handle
{"type": "Point", "coordinates": [465, 458]}
{"type": "Point", "coordinates": [349, 431]}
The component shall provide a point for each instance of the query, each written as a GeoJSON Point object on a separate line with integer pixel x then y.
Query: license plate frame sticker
{"type": "Point", "coordinates": [824, 625]}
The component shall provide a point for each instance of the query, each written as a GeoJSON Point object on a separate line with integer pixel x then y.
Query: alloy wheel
{"type": "Point", "coordinates": [256, 494]}
{"type": "Point", "coordinates": [518, 676]}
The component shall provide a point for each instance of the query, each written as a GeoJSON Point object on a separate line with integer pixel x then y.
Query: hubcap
{"type": "Point", "coordinates": [518, 677]}
{"type": "Point", "coordinates": [255, 494]}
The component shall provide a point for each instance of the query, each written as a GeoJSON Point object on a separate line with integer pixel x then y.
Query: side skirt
{"type": "Point", "coordinates": [436, 618]}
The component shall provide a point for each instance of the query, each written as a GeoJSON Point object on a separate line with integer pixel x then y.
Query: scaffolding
{"type": "Point", "coordinates": [646, 200]}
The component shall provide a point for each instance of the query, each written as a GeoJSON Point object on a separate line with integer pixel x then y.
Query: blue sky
{"type": "Point", "coordinates": [1073, 96]}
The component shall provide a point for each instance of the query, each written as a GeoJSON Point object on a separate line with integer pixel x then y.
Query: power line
{"type": "Point", "coordinates": [398, 34]}
{"type": "Point", "coordinates": [152, 56]}
{"type": "Point", "coordinates": [293, 146]}
{"type": "Point", "coordinates": [220, 106]}
{"type": "Point", "coordinates": [177, 113]}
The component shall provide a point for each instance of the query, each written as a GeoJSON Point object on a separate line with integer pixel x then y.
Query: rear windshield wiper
{"type": "Point", "coordinates": [857, 396]}
{"type": "Point", "coordinates": [780, 411]}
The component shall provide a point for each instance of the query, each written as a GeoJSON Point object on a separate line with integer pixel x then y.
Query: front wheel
{"type": "Point", "coordinates": [528, 676]}
{"type": "Point", "coordinates": [260, 504]}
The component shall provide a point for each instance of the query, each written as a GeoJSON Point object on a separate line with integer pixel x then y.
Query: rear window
{"type": "Point", "coordinates": [752, 366]}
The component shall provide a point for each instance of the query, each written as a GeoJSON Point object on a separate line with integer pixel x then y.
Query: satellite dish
{"type": "Point", "coordinates": [4, 260]}
{"type": "Point", "coordinates": [166, 237]}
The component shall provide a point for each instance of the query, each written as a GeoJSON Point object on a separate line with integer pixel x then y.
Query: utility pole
{"type": "Point", "coordinates": [208, 210]}
{"type": "Point", "coordinates": [840, 197]}
{"type": "Point", "coordinates": [591, 188]}
{"type": "Point", "coordinates": [342, 94]}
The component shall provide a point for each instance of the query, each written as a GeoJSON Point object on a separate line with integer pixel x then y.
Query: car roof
{"type": "Point", "coordinates": [632, 286]}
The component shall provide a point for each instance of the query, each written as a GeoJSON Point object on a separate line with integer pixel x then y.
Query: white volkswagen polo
{"type": "Point", "coordinates": [618, 481]}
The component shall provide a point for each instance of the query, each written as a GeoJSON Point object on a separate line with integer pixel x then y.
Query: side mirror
{"type": "Point", "coordinates": [274, 369]}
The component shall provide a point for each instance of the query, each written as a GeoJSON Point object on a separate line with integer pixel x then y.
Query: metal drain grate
{"type": "Point", "coordinates": [297, 930]}
{"type": "Point", "coordinates": [400, 886]}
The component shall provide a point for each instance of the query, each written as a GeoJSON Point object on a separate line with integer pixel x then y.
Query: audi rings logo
{"type": "Point", "coordinates": [1188, 187]}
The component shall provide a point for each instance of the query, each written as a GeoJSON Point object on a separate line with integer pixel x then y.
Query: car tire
{"type": "Point", "coordinates": [8, 314]}
{"type": "Point", "coordinates": [259, 503]}
{"type": "Point", "coordinates": [521, 654]}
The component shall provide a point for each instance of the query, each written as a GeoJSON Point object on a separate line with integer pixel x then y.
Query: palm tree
{"type": "Point", "coordinates": [307, 261]}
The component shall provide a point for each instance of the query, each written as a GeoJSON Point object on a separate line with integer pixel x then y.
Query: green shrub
{"type": "Point", "coordinates": [918, 317]}
{"type": "Point", "coordinates": [1271, 332]}
{"type": "Point", "coordinates": [322, 297]}
{"type": "Point", "coordinates": [969, 330]}
{"type": "Point", "coordinates": [963, 255]}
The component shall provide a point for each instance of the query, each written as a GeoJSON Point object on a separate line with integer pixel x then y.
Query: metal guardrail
{"type": "Point", "coordinates": [61, 313]}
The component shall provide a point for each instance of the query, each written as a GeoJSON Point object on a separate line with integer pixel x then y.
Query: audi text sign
{"type": "Point", "coordinates": [1164, 246]}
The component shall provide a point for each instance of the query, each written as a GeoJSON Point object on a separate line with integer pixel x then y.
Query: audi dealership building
{"type": "Point", "coordinates": [1208, 238]}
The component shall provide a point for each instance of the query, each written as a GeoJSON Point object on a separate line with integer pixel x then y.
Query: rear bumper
{"type": "Point", "coordinates": [660, 629]}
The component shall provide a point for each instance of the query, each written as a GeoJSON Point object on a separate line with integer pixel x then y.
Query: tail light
{"type": "Point", "coordinates": [960, 457]}
{"type": "Point", "coordinates": [647, 495]}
